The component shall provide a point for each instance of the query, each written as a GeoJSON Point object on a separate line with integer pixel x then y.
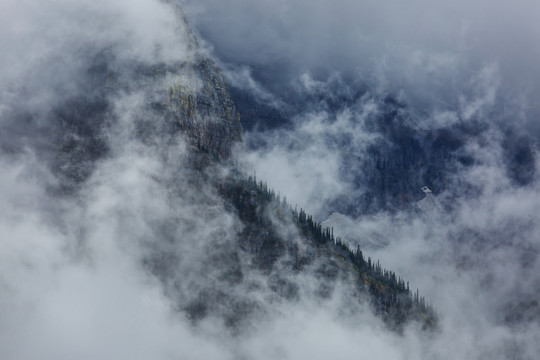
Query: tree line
{"type": "Point", "coordinates": [392, 294]}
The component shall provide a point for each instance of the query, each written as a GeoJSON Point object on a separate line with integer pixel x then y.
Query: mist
{"type": "Point", "coordinates": [103, 250]}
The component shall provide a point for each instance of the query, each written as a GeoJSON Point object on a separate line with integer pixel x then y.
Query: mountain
{"type": "Point", "coordinates": [190, 99]}
{"type": "Point", "coordinates": [134, 210]}
{"type": "Point", "coordinates": [459, 193]}
{"type": "Point", "coordinates": [212, 125]}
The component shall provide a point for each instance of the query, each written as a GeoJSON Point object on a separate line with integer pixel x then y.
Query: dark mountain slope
{"type": "Point", "coordinates": [307, 246]}
{"type": "Point", "coordinates": [256, 250]}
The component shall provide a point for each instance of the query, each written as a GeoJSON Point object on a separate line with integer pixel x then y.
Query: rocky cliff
{"type": "Point", "coordinates": [188, 97]}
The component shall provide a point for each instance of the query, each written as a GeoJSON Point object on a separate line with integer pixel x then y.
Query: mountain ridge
{"type": "Point", "coordinates": [179, 116]}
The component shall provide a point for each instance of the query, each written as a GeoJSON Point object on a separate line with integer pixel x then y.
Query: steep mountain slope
{"type": "Point", "coordinates": [140, 155]}
{"type": "Point", "coordinates": [275, 234]}
{"type": "Point", "coordinates": [322, 253]}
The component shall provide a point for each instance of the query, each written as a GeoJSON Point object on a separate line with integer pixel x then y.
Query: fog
{"type": "Point", "coordinates": [78, 260]}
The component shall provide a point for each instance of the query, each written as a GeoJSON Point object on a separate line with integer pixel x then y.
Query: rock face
{"type": "Point", "coordinates": [205, 114]}
{"type": "Point", "coordinates": [188, 97]}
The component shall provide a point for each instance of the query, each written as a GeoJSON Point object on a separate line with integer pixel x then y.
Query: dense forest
{"type": "Point", "coordinates": [263, 213]}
